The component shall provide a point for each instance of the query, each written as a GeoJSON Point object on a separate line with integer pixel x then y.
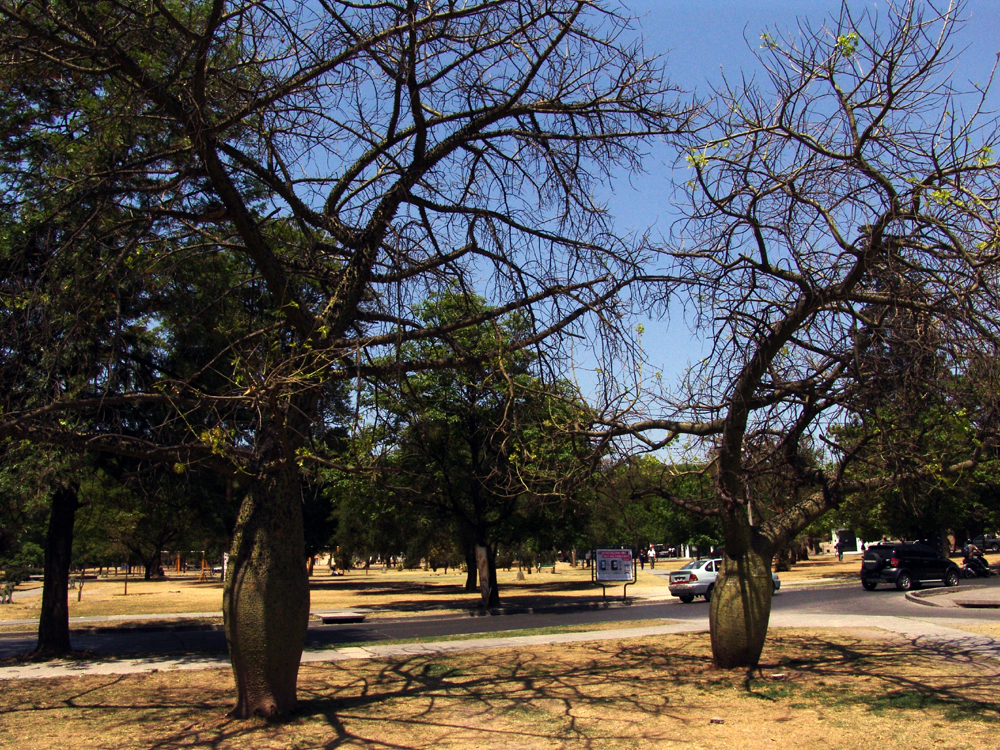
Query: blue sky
{"type": "Point", "coordinates": [704, 38]}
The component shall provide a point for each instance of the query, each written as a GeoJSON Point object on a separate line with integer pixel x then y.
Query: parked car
{"type": "Point", "coordinates": [987, 542]}
{"type": "Point", "coordinates": [906, 565]}
{"type": "Point", "coordinates": [697, 578]}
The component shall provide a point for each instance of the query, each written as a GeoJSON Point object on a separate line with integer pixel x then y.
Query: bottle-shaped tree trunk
{"type": "Point", "coordinates": [53, 623]}
{"type": "Point", "coordinates": [266, 597]}
{"type": "Point", "coordinates": [741, 599]}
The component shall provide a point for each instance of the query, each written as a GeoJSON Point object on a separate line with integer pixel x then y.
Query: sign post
{"type": "Point", "coordinates": [612, 566]}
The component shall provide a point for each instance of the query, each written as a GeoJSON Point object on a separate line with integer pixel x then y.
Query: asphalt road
{"type": "Point", "coordinates": [827, 599]}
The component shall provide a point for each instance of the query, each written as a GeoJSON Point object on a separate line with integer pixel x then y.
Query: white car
{"type": "Point", "coordinates": [697, 578]}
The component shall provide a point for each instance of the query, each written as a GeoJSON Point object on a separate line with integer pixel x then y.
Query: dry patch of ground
{"type": "Point", "coordinates": [816, 689]}
{"type": "Point", "coordinates": [108, 597]}
{"type": "Point", "coordinates": [390, 594]}
{"type": "Point", "coordinates": [397, 593]}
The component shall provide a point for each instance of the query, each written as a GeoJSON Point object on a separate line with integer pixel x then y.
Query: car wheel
{"type": "Point", "coordinates": [774, 587]}
{"type": "Point", "coordinates": [951, 578]}
{"type": "Point", "coordinates": [687, 598]}
{"type": "Point", "coordinates": [868, 585]}
{"type": "Point", "coordinates": [904, 582]}
{"type": "Point", "coordinates": [995, 548]}
{"type": "Point", "coordinates": [708, 593]}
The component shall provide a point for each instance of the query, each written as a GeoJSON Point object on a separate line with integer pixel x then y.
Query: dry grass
{"type": "Point", "coordinates": [397, 593]}
{"type": "Point", "coordinates": [385, 594]}
{"type": "Point", "coordinates": [107, 597]}
{"type": "Point", "coordinates": [840, 690]}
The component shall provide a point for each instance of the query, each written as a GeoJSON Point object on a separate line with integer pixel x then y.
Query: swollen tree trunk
{"type": "Point", "coordinates": [266, 597]}
{"type": "Point", "coordinates": [53, 624]}
{"type": "Point", "coordinates": [741, 599]}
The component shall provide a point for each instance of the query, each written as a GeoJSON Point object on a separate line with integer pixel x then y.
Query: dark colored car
{"type": "Point", "coordinates": [987, 542]}
{"type": "Point", "coordinates": [906, 565]}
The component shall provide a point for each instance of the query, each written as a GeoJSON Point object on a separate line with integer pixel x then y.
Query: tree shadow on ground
{"type": "Point", "coordinates": [598, 695]}
{"type": "Point", "coordinates": [912, 674]}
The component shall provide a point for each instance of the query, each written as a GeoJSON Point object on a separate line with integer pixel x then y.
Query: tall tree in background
{"type": "Point", "coordinates": [853, 162]}
{"type": "Point", "coordinates": [337, 160]}
{"type": "Point", "coordinates": [482, 451]}
{"type": "Point", "coordinates": [920, 407]}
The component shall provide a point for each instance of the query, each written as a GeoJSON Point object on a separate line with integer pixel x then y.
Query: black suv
{"type": "Point", "coordinates": [906, 565]}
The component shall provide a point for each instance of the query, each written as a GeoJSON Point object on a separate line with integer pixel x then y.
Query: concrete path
{"type": "Point", "coordinates": [918, 632]}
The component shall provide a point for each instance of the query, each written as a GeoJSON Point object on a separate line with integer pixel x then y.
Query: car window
{"type": "Point", "coordinates": [694, 564]}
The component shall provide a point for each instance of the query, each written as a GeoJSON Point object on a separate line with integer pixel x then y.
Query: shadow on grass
{"type": "Point", "coordinates": [655, 690]}
{"type": "Point", "coordinates": [375, 587]}
{"type": "Point", "coordinates": [911, 675]}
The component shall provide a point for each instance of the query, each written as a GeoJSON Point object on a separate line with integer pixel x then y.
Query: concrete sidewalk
{"type": "Point", "coordinates": [918, 632]}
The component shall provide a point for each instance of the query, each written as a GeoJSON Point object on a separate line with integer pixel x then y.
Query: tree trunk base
{"type": "Point", "coordinates": [740, 610]}
{"type": "Point", "coordinates": [266, 598]}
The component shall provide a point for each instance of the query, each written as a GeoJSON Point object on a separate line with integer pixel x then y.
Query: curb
{"type": "Point", "coordinates": [918, 597]}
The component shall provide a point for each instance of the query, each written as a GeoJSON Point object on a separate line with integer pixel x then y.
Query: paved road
{"type": "Point", "coordinates": [829, 600]}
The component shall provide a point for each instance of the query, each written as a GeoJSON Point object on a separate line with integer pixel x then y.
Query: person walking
{"type": "Point", "coordinates": [840, 549]}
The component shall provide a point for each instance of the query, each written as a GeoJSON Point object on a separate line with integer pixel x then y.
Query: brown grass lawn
{"type": "Point", "coordinates": [385, 594]}
{"type": "Point", "coordinates": [393, 593]}
{"type": "Point", "coordinates": [829, 689]}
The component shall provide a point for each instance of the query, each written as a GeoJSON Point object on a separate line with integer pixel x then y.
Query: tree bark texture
{"type": "Point", "coordinates": [266, 597]}
{"type": "Point", "coordinates": [491, 560]}
{"type": "Point", "coordinates": [53, 623]}
{"type": "Point", "coordinates": [471, 571]}
{"type": "Point", "coordinates": [741, 600]}
{"type": "Point", "coordinates": [486, 559]}
{"type": "Point", "coordinates": [151, 565]}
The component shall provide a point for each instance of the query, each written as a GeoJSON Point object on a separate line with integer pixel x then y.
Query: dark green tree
{"type": "Point", "coordinates": [482, 451]}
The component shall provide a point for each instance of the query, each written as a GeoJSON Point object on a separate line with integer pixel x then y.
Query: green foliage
{"type": "Point", "coordinates": [636, 506]}
{"type": "Point", "coordinates": [481, 455]}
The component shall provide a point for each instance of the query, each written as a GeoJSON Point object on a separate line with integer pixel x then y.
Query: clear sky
{"type": "Point", "coordinates": [704, 38]}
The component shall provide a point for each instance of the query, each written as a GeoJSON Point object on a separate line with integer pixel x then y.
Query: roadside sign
{"type": "Point", "coordinates": [614, 565]}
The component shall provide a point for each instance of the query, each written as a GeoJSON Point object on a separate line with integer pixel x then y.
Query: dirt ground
{"type": "Point", "coordinates": [829, 689]}
{"type": "Point", "coordinates": [386, 594]}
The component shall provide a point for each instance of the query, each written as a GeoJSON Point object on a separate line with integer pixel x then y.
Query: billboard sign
{"type": "Point", "coordinates": [613, 565]}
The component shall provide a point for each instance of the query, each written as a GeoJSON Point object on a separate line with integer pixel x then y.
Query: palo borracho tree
{"type": "Point", "coordinates": [852, 162]}
{"type": "Point", "coordinates": [332, 162]}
